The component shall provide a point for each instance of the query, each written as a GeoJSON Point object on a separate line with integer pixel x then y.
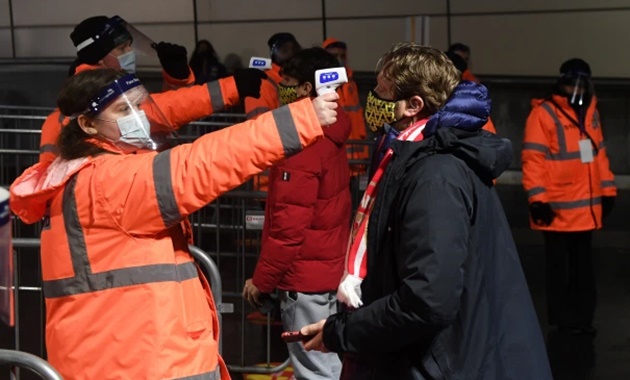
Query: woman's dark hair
{"type": "Point", "coordinates": [204, 49]}
{"type": "Point", "coordinates": [73, 100]}
{"type": "Point", "coordinates": [303, 64]}
{"type": "Point", "coordinates": [205, 64]}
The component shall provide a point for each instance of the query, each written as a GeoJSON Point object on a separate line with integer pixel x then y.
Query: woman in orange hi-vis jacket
{"type": "Point", "coordinates": [114, 48]}
{"type": "Point", "coordinates": [124, 299]}
{"type": "Point", "coordinates": [570, 188]}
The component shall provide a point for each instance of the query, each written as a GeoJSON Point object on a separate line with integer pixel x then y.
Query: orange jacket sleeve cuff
{"type": "Point", "coordinates": [609, 189]}
{"type": "Point", "coordinates": [537, 194]}
{"type": "Point", "coordinates": [171, 83]}
{"type": "Point", "coordinates": [229, 91]}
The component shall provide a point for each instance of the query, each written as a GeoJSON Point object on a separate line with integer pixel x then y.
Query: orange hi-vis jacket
{"type": "Point", "coordinates": [349, 101]}
{"type": "Point", "coordinates": [490, 127]}
{"type": "Point", "coordinates": [269, 100]}
{"type": "Point", "coordinates": [180, 107]}
{"type": "Point", "coordinates": [553, 171]}
{"type": "Point", "coordinates": [124, 299]}
{"type": "Point", "coordinates": [468, 75]}
{"type": "Point", "coordinates": [170, 83]}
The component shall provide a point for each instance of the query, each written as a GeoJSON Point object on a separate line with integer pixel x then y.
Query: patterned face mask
{"type": "Point", "coordinates": [288, 94]}
{"type": "Point", "coordinates": [379, 112]}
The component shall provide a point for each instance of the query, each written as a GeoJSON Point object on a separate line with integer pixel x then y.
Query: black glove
{"type": "Point", "coordinates": [541, 213]}
{"type": "Point", "coordinates": [607, 205]}
{"type": "Point", "coordinates": [173, 59]}
{"type": "Point", "coordinates": [248, 82]}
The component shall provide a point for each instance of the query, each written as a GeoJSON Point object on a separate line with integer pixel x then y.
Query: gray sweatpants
{"type": "Point", "coordinates": [298, 312]}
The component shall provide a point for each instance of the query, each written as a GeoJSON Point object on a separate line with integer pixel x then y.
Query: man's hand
{"type": "Point", "coordinates": [251, 293]}
{"type": "Point", "coordinates": [317, 341]}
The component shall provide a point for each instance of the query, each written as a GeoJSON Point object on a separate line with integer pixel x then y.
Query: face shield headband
{"type": "Point", "coordinates": [113, 91]}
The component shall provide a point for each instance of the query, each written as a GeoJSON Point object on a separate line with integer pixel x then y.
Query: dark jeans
{"type": "Point", "coordinates": [571, 289]}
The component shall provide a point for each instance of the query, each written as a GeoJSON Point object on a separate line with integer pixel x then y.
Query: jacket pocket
{"type": "Point", "coordinates": [196, 310]}
{"type": "Point", "coordinates": [564, 172]}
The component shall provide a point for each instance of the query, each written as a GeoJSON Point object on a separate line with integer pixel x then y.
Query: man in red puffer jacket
{"type": "Point", "coordinates": [307, 223]}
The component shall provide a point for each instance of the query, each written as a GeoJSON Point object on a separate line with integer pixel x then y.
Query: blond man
{"type": "Point", "coordinates": [433, 283]}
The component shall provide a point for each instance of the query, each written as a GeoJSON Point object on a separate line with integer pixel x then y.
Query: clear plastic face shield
{"type": "Point", "coordinates": [578, 88]}
{"type": "Point", "coordinates": [127, 116]}
{"type": "Point", "coordinates": [284, 50]}
{"type": "Point", "coordinates": [141, 43]}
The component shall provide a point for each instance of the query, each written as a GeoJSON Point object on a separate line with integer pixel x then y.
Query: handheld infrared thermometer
{"type": "Point", "coordinates": [259, 63]}
{"type": "Point", "coordinates": [327, 80]}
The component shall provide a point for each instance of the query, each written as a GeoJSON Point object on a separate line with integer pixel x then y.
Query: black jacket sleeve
{"type": "Point", "coordinates": [434, 236]}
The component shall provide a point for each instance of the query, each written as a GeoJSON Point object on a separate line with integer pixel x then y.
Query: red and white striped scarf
{"type": "Point", "coordinates": [349, 290]}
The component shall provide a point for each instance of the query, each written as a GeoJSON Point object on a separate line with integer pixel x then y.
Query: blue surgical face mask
{"type": "Point", "coordinates": [135, 130]}
{"type": "Point", "coordinates": [127, 61]}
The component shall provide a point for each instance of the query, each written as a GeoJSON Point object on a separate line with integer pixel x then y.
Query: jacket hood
{"type": "Point", "coordinates": [456, 129]}
{"type": "Point", "coordinates": [487, 154]}
{"type": "Point", "coordinates": [31, 192]}
{"type": "Point", "coordinates": [339, 131]}
{"type": "Point", "coordinates": [467, 108]}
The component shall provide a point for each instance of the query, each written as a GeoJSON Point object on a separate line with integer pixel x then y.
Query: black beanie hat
{"type": "Point", "coordinates": [280, 38]}
{"type": "Point", "coordinates": [574, 67]}
{"type": "Point", "coordinates": [96, 36]}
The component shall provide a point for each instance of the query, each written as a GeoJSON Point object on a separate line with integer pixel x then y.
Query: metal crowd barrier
{"type": "Point", "coordinates": [216, 286]}
{"type": "Point", "coordinates": [29, 361]}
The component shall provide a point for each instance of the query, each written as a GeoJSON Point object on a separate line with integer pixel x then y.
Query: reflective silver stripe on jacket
{"type": "Point", "coordinates": [575, 204]}
{"type": "Point", "coordinates": [287, 130]}
{"type": "Point", "coordinates": [85, 281]}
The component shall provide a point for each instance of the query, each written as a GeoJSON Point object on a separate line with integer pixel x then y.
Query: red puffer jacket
{"type": "Point", "coordinates": [307, 217]}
